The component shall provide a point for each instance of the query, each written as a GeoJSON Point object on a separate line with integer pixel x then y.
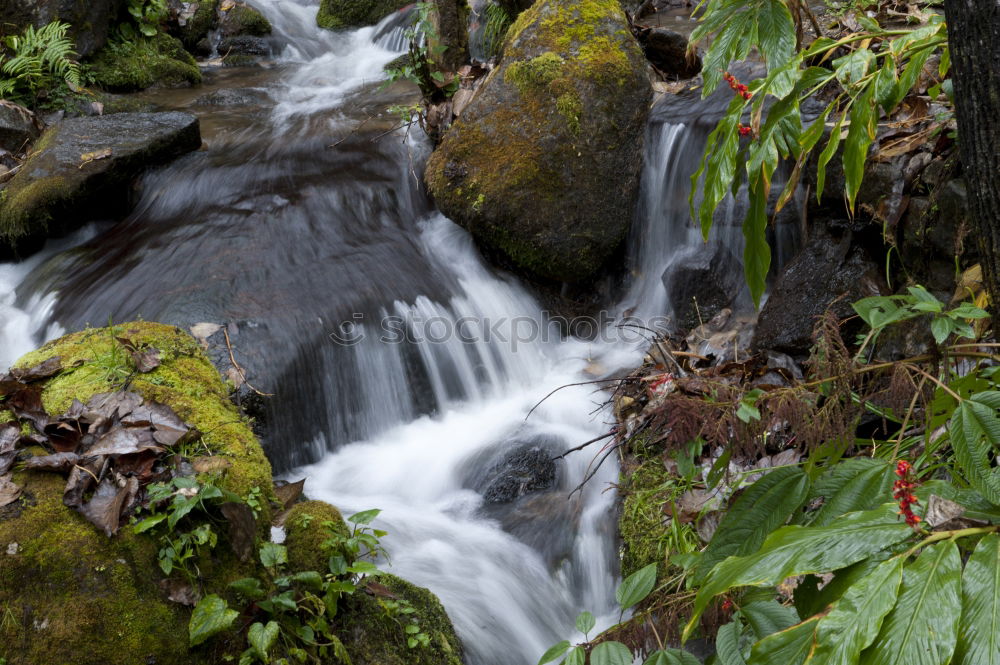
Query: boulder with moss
{"type": "Point", "coordinates": [128, 66]}
{"type": "Point", "coordinates": [81, 169]}
{"type": "Point", "coordinates": [193, 25]}
{"type": "Point", "coordinates": [90, 21]}
{"type": "Point", "coordinates": [69, 593]}
{"type": "Point", "coordinates": [307, 526]}
{"type": "Point", "coordinates": [543, 165]}
{"type": "Point", "coordinates": [341, 14]}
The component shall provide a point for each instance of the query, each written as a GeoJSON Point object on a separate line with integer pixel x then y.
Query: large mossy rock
{"type": "Point", "coordinates": [89, 20]}
{"type": "Point", "coordinates": [70, 178]}
{"type": "Point", "coordinates": [341, 14]}
{"type": "Point", "coordinates": [69, 593]}
{"type": "Point", "coordinates": [146, 62]}
{"type": "Point", "coordinates": [543, 166]}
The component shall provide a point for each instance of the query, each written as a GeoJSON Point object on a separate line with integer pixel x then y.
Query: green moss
{"type": "Point", "coordinates": [243, 20]}
{"type": "Point", "coordinates": [646, 537]}
{"type": "Point", "coordinates": [534, 74]}
{"type": "Point", "coordinates": [571, 108]}
{"type": "Point", "coordinates": [307, 526]}
{"type": "Point", "coordinates": [140, 64]}
{"type": "Point", "coordinates": [185, 380]}
{"type": "Point", "coordinates": [603, 61]}
{"type": "Point", "coordinates": [341, 14]}
{"type": "Point", "coordinates": [374, 637]}
{"type": "Point", "coordinates": [199, 25]}
{"type": "Point", "coordinates": [27, 206]}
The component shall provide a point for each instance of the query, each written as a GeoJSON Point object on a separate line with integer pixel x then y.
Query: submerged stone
{"type": "Point", "coordinates": [81, 170]}
{"type": "Point", "coordinates": [543, 165]}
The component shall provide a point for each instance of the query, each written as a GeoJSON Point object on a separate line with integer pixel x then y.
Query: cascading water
{"type": "Point", "coordinates": [308, 216]}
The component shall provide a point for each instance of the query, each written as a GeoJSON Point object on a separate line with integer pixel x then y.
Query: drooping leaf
{"type": "Point", "coordinates": [636, 586]}
{"type": "Point", "coordinates": [611, 653]}
{"type": "Point", "coordinates": [789, 647]}
{"type": "Point", "coordinates": [262, 637]}
{"type": "Point", "coordinates": [769, 617]}
{"type": "Point", "coordinates": [979, 634]}
{"type": "Point", "coordinates": [810, 599]}
{"type": "Point", "coordinates": [756, 251]}
{"type": "Point", "coordinates": [824, 157]}
{"type": "Point", "coordinates": [364, 517]}
{"type": "Point", "coordinates": [249, 587]}
{"type": "Point", "coordinates": [923, 626]}
{"type": "Point", "coordinates": [975, 429]}
{"type": "Point", "coordinates": [853, 623]}
{"type": "Point", "coordinates": [727, 644]}
{"type": "Point", "coordinates": [759, 510]}
{"type": "Point", "coordinates": [859, 483]}
{"type": "Point", "coordinates": [210, 617]}
{"type": "Point", "coordinates": [796, 550]}
{"type": "Point", "coordinates": [718, 165]}
{"type": "Point", "coordinates": [860, 135]}
{"type": "Point", "coordinates": [776, 32]}
{"type": "Point", "coordinates": [553, 652]}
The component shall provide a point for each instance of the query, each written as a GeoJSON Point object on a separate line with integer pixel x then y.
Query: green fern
{"type": "Point", "coordinates": [38, 60]}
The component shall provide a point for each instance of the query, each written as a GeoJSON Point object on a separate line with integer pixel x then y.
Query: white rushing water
{"type": "Point", "coordinates": [513, 575]}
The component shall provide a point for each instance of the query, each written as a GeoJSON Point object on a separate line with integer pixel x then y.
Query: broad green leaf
{"type": "Point", "coordinates": [756, 250]}
{"type": "Point", "coordinates": [979, 635]}
{"type": "Point", "coordinates": [262, 638]}
{"type": "Point", "coordinates": [727, 644]}
{"type": "Point", "coordinates": [718, 165]}
{"type": "Point", "coordinates": [867, 486]}
{"type": "Point", "coordinates": [585, 622]}
{"type": "Point", "coordinates": [811, 136]}
{"type": "Point", "coordinates": [797, 550]}
{"type": "Point", "coordinates": [309, 578]}
{"type": "Point", "coordinates": [824, 157]}
{"type": "Point", "coordinates": [364, 517]}
{"type": "Point", "coordinates": [611, 653]}
{"type": "Point", "coordinates": [759, 510]}
{"type": "Point", "coordinates": [976, 506]}
{"type": "Point", "coordinates": [776, 32]}
{"type": "Point", "coordinates": [210, 617]}
{"type": "Point", "coordinates": [576, 656]}
{"type": "Point", "coordinates": [923, 626]}
{"type": "Point", "coordinates": [859, 138]}
{"type": "Point", "coordinates": [636, 586]}
{"type": "Point", "coordinates": [553, 652]}
{"type": "Point", "coordinates": [249, 587]}
{"type": "Point", "coordinates": [853, 623]}
{"type": "Point", "coordinates": [789, 647]}
{"type": "Point", "coordinates": [149, 523]}
{"type": "Point", "coordinates": [941, 327]}
{"type": "Point", "coordinates": [908, 79]}
{"type": "Point", "coordinates": [363, 568]}
{"type": "Point", "coordinates": [273, 554]}
{"type": "Point", "coordinates": [769, 617]}
{"type": "Point", "coordinates": [810, 599]}
{"type": "Point", "coordinates": [854, 66]}
{"type": "Point", "coordinates": [975, 429]}
{"type": "Point", "coordinates": [671, 657]}
{"type": "Point", "coordinates": [732, 42]}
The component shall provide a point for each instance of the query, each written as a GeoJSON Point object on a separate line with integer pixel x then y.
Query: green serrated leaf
{"type": "Point", "coordinates": [636, 586]}
{"type": "Point", "coordinates": [210, 617]}
{"type": "Point", "coordinates": [979, 635]}
{"type": "Point", "coordinates": [671, 657]}
{"type": "Point", "coordinates": [727, 644]}
{"type": "Point", "coordinates": [611, 653]}
{"type": "Point", "coordinates": [759, 510]}
{"type": "Point", "coordinates": [768, 617]}
{"type": "Point", "coordinates": [796, 550]}
{"type": "Point", "coordinates": [553, 652]}
{"type": "Point", "coordinates": [775, 32]}
{"type": "Point", "coordinates": [922, 629]}
{"type": "Point", "coordinates": [262, 637]}
{"type": "Point", "coordinates": [824, 157]}
{"type": "Point", "coordinates": [975, 429]}
{"type": "Point", "coordinates": [585, 622]}
{"type": "Point", "coordinates": [856, 484]}
{"type": "Point", "coordinates": [789, 647]}
{"type": "Point", "coordinates": [851, 626]}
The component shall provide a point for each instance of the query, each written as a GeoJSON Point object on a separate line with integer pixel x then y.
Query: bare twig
{"type": "Point", "coordinates": [243, 375]}
{"type": "Point", "coordinates": [584, 445]}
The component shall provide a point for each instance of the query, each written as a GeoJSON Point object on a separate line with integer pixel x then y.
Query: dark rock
{"type": "Point", "coordinates": [523, 471]}
{"type": "Point", "coordinates": [158, 61]}
{"type": "Point", "coordinates": [90, 20]}
{"type": "Point", "coordinates": [17, 128]}
{"type": "Point", "coordinates": [192, 23]}
{"type": "Point", "coordinates": [244, 45]}
{"type": "Point", "coordinates": [71, 179]}
{"type": "Point", "coordinates": [667, 50]}
{"type": "Point", "coordinates": [341, 14]}
{"type": "Point", "coordinates": [701, 283]}
{"type": "Point", "coordinates": [233, 97]}
{"type": "Point", "coordinates": [830, 272]}
{"type": "Point", "coordinates": [543, 165]}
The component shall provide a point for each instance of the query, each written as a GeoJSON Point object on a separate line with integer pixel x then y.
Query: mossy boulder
{"type": "Point", "coordinates": [198, 25]}
{"type": "Point", "coordinates": [143, 63]}
{"type": "Point", "coordinates": [307, 526]}
{"type": "Point", "coordinates": [543, 165]}
{"type": "Point", "coordinates": [244, 20]}
{"type": "Point", "coordinates": [374, 635]}
{"type": "Point", "coordinates": [71, 177]}
{"type": "Point", "coordinates": [341, 14]}
{"type": "Point", "coordinates": [70, 594]}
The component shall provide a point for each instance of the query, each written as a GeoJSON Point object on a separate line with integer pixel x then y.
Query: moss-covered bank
{"type": "Point", "coordinates": [136, 65]}
{"type": "Point", "coordinates": [341, 14]}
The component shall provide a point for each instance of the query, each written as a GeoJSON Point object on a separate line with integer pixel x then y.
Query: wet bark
{"type": "Point", "coordinates": [974, 38]}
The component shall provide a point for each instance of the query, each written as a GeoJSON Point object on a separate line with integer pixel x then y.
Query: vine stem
{"type": "Point", "coordinates": [951, 535]}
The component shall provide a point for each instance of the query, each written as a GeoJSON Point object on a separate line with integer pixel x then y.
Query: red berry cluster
{"type": "Point", "coordinates": [744, 131]}
{"type": "Point", "coordinates": [740, 88]}
{"type": "Point", "coordinates": [902, 492]}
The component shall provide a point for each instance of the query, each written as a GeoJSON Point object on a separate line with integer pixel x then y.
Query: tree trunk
{"type": "Point", "coordinates": [974, 39]}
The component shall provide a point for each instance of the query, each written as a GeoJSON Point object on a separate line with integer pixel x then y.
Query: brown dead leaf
{"type": "Point", "coordinates": [242, 528]}
{"type": "Point", "coordinates": [941, 511]}
{"type": "Point", "coordinates": [138, 464]}
{"type": "Point", "coordinates": [89, 157]}
{"type": "Point", "coordinates": [109, 501]}
{"type": "Point", "coordinates": [64, 437]}
{"type": "Point", "coordinates": [44, 370]}
{"type": "Point", "coordinates": [202, 331]}
{"type": "Point", "coordinates": [81, 478]}
{"type": "Point", "coordinates": [10, 436]}
{"type": "Point", "coordinates": [60, 462]}
{"type": "Point", "coordinates": [146, 359]}
{"type": "Point", "coordinates": [9, 492]}
{"type": "Point", "coordinates": [180, 591]}
{"type": "Point", "coordinates": [210, 464]}
{"type": "Point", "coordinates": [26, 404]}
{"type": "Point", "coordinates": [289, 493]}
{"type": "Point", "coordinates": [110, 405]}
{"type": "Point", "coordinates": [124, 441]}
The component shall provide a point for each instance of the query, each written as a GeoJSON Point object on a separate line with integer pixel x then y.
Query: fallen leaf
{"type": "Point", "coordinates": [940, 511]}
{"type": "Point", "coordinates": [43, 370]}
{"type": "Point", "coordinates": [124, 441]}
{"type": "Point", "coordinates": [109, 501]}
{"type": "Point", "coordinates": [26, 404]}
{"type": "Point", "coordinates": [64, 437]}
{"type": "Point", "coordinates": [180, 591]}
{"type": "Point", "coordinates": [138, 464]}
{"type": "Point", "coordinates": [81, 477]}
{"type": "Point", "coordinates": [210, 464]}
{"type": "Point", "coordinates": [242, 528]}
{"type": "Point", "coordinates": [111, 405]}
{"type": "Point", "coordinates": [60, 462]}
{"type": "Point", "coordinates": [10, 436]}
{"type": "Point", "coordinates": [8, 490]}
{"type": "Point", "coordinates": [146, 359]}
{"type": "Point", "coordinates": [202, 331]}
{"type": "Point", "coordinates": [289, 493]}
{"type": "Point", "coordinates": [89, 157]}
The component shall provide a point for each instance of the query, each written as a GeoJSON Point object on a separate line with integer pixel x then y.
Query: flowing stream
{"type": "Point", "coordinates": [404, 367]}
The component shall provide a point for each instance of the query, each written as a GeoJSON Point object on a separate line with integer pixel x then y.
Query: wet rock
{"type": "Point", "coordinates": [523, 471]}
{"type": "Point", "coordinates": [701, 283]}
{"type": "Point", "coordinates": [192, 23]}
{"type": "Point", "coordinates": [242, 19]}
{"type": "Point", "coordinates": [233, 97]}
{"type": "Point", "coordinates": [244, 45]}
{"type": "Point", "coordinates": [543, 166]}
{"type": "Point", "coordinates": [17, 128]}
{"type": "Point", "coordinates": [82, 169]}
{"type": "Point", "coordinates": [341, 14]}
{"type": "Point", "coordinates": [136, 65]}
{"type": "Point", "coordinates": [667, 50]}
{"type": "Point", "coordinates": [830, 272]}
{"type": "Point", "coordinates": [90, 21]}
